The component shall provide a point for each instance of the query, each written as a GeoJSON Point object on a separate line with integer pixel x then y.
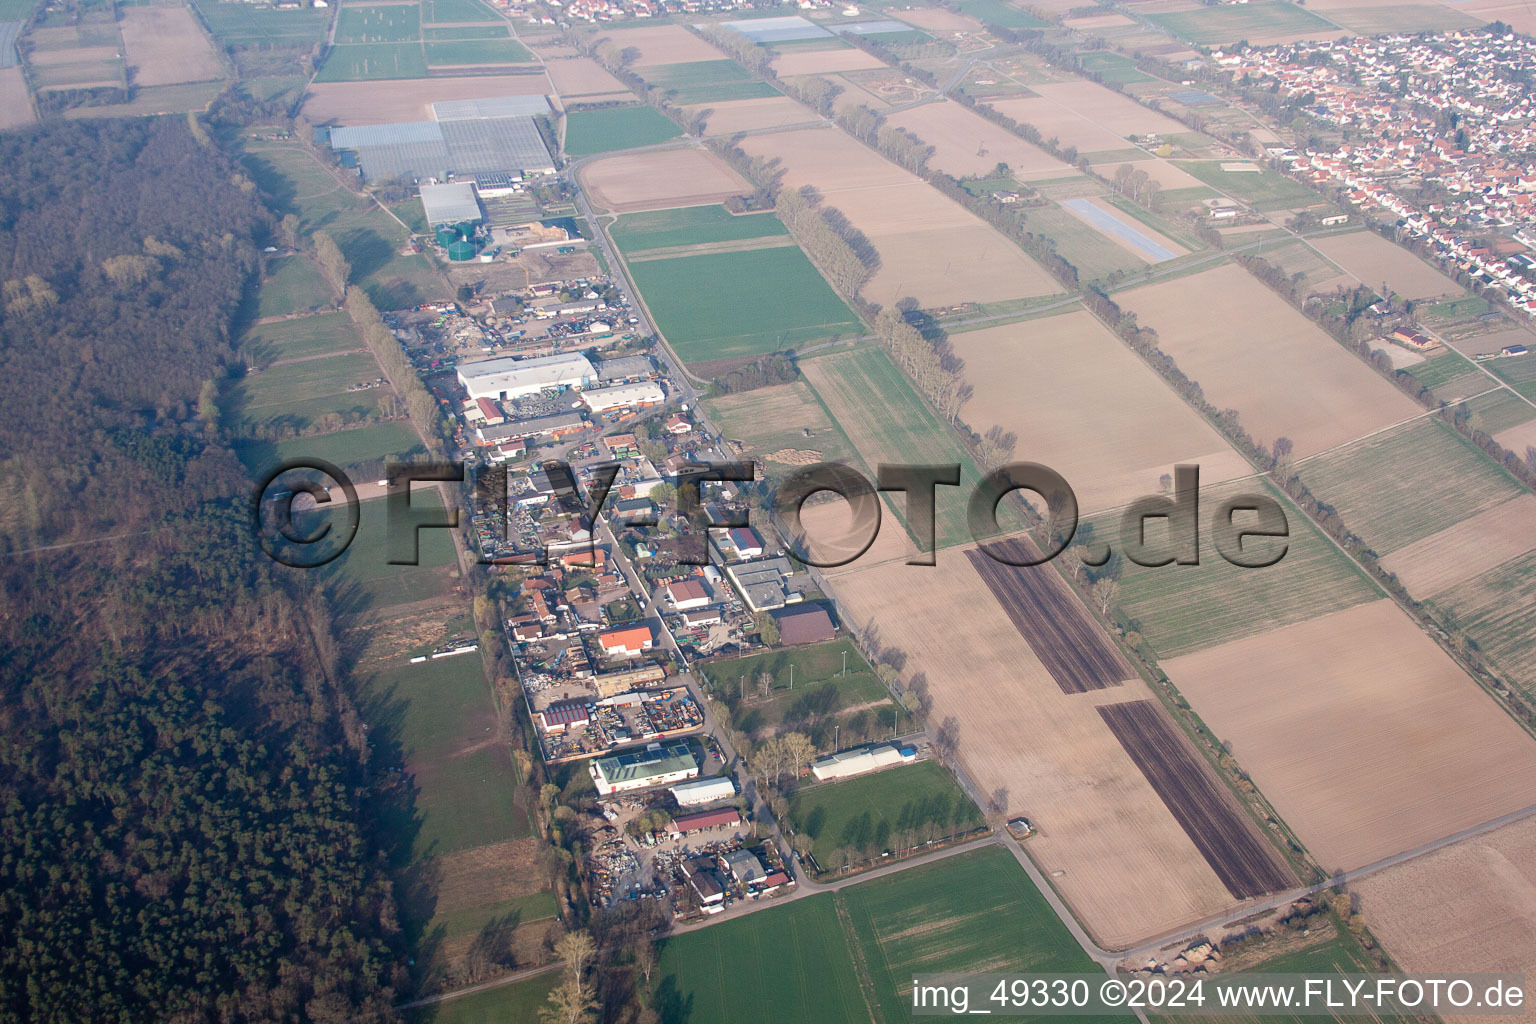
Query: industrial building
{"type": "Point", "coordinates": [847, 763]}
{"type": "Point", "coordinates": [628, 642]}
{"type": "Point", "coordinates": [805, 626]}
{"type": "Point", "coordinates": [704, 791]}
{"type": "Point", "coordinates": [623, 368]}
{"type": "Point", "coordinates": [505, 377]}
{"type": "Point", "coordinates": [624, 396]}
{"type": "Point", "coordinates": [745, 867]}
{"type": "Point", "coordinates": [688, 824]}
{"type": "Point", "coordinates": [496, 135]}
{"type": "Point", "coordinates": [640, 769]}
{"type": "Point", "coordinates": [453, 203]}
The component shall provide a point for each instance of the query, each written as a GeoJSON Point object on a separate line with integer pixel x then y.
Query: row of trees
{"type": "Point", "coordinates": [842, 253]}
{"type": "Point", "coordinates": [393, 359]}
{"type": "Point", "coordinates": [929, 368]}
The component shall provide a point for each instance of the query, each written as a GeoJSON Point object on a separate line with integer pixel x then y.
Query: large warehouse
{"type": "Point", "coordinates": [469, 137]}
{"type": "Point", "coordinates": [504, 377]}
{"type": "Point", "coordinates": [639, 769]}
{"type": "Point", "coordinates": [624, 396]}
{"type": "Point", "coordinates": [453, 203]}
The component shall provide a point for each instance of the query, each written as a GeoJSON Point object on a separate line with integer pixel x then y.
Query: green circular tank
{"type": "Point", "coordinates": [462, 250]}
{"type": "Point", "coordinates": [467, 229]}
{"type": "Point", "coordinates": [447, 234]}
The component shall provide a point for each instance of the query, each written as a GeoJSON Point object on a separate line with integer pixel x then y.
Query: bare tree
{"type": "Point", "coordinates": [1105, 592]}
{"type": "Point", "coordinates": [947, 740]}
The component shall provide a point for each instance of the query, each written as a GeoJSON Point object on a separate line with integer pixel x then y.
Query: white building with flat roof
{"type": "Point", "coordinates": [860, 760]}
{"type": "Point", "coordinates": [451, 203]}
{"type": "Point", "coordinates": [704, 791]}
{"type": "Point", "coordinates": [505, 377]}
{"type": "Point", "coordinates": [621, 396]}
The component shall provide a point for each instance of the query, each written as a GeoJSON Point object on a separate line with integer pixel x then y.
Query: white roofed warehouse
{"type": "Point", "coordinates": [861, 760]}
{"type": "Point", "coordinates": [504, 378]}
{"type": "Point", "coordinates": [624, 396]}
{"type": "Point", "coordinates": [704, 791]}
{"type": "Point", "coordinates": [453, 203]}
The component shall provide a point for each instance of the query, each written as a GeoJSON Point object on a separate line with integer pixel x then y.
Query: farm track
{"type": "Point", "coordinates": [1053, 622]}
{"type": "Point", "coordinates": [1241, 859]}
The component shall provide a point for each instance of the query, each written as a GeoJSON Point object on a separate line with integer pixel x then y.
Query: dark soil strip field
{"type": "Point", "coordinates": [1073, 648]}
{"type": "Point", "coordinates": [1241, 858]}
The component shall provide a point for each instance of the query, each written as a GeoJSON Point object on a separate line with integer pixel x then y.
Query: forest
{"type": "Point", "coordinates": [186, 808]}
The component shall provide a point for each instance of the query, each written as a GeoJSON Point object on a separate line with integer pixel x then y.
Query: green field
{"type": "Point", "coordinates": [1517, 370]}
{"type": "Point", "coordinates": [466, 32]}
{"type": "Point", "coordinates": [1265, 190]}
{"type": "Point", "coordinates": [774, 418]}
{"type": "Point", "coordinates": [888, 422]}
{"type": "Point", "coordinates": [858, 703]}
{"type": "Point", "coordinates": [690, 225]}
{"type": "Point", "coordinates": [1232, 23]}
{"type": "Point", "coordinates": [1403, 485]}
{"type": "Point", "coordinates": [1496, 611]}
{"type": "Point", "coordinates": [518, 1003]}
{"type": "Point", "coordinates": [1455, 309]}
{"type": "Point", "coordinates": [616, 128]}
{"type": "Point", "coordinates": [1499, 410]}
{"type": "Point", "coordinates": [893, 809]}
{"type": "Point", "coordinates": [1182, 608]}
{"type": "Point", "coordinates": [394, 23]}
{"type": "Point", "coordinates": [300, 337]}
{"type": "Point", "coordinates": [434, 11]}
{"type": "Point", "coordinates": [970, 910]}
{"type": "Point", "coordinates": [1090, 250]}
{"type": "Point", "coordinates": [1112, 67]}
{"type": "Point", "coordinates": [369, 61]}
{"type": "Point", "coordinates": [241, 24]}
{"type": "Point", "coordinates": [292, 285]}
{"type": "Point", "coordinates": [477, 51]}
{"type": "Point", "coordinates": [394, 438]}
{"type": "Point", "coordinates": [466, 788]}
{"type": "Point", "coordinates": [707, 81]}
{"type": "Point", "coordinates": [730, 305]}
{"type": "Point", "coordinates": [298, 394]}
{"type": "Point", "coordinates": [788, 963]}
{"type": "Point", "coordinates": [371, 240]}
{"type": "Point", "coordinates": [363, 579]}
{"type": "Point", "coordinates": [996, 12]}
{"type": "Point", "coordinates": [1451, 377]}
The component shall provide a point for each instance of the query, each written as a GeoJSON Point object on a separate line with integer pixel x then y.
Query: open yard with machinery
{"type": "Point", "coordinates": [1373, 261]}
{"type": "Point", "coordinates": [973, 912]}
{"type": "Point", "coordinates": [1366, 737]}
{"type": "Point", "coordinates": [1408, 483]}
{"type": "Point", "coordinates": [616, 128]}
{"type": "Point", "coordinates": [1069, 642]}
{"type": "Point", "coordinates": [855, 820]}
{"type": "Point", "coordinates": [887, 422]}
{"type": "Point", "coordinates": [760, 301]}
{"type": "Point", "coordinates": [1470, 906]}
{"type": "Point", "coordinates": [1233, 846]}
{"type": "Point", "coordinates": [166, 45]}
{"type": "Point", "coordinates": [966, 143]}
{"type": "Point", "coordinates": [1250, 351]}
{"type": "Point", "coordinates": [930, 248]}
{"type": "Point", "coordinates": [1181, 608]}
{"type": "Point", "coordinates": [689, 226]}
{"type": "Point", "coordinates": [1115, 852]}
{"type": "Point", "coordinates": [1082, 403]}
{"type": "Point", "coordinates": [663, 179]}
{"type": "Point", "coordinates": [783, 426]}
